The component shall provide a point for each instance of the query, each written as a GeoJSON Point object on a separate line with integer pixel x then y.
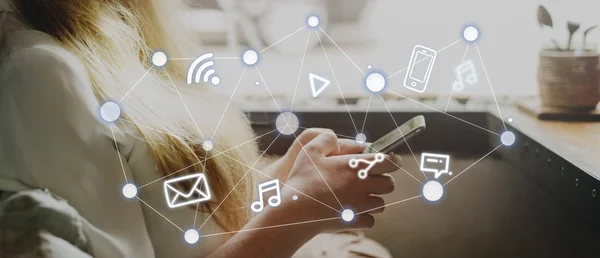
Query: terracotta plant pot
{"type": "Point", "coordinates": [569, 80]}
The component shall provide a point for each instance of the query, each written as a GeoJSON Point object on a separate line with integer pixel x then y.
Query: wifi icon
{"type": "Point", "coordinates": [204, 71]}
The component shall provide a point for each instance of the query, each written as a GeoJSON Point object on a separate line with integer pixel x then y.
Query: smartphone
{"type": "Point", "coordinates": [398, 136]}
{"type": "Point", "coordinates": [419, 68]}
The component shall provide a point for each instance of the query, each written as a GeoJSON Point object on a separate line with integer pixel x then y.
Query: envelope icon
{"type": "Point", "coordinates": [199, 192]}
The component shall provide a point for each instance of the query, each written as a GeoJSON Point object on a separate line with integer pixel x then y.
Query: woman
{"type": "Point", "coordinates": [61, 59]}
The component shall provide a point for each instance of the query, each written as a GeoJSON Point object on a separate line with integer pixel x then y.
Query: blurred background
{"type": "Point", "coordinates": [382, 33]}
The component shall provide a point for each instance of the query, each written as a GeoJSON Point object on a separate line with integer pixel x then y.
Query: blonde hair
{"type": "Point", "coordinates": [115, 40]}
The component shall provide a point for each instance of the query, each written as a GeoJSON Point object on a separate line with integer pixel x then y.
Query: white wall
{"type": "Point", "coordinates": [509, 44]}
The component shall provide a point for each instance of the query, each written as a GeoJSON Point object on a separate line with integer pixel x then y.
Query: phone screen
{"type": "Point", "coordinates": [397, 135]}
{"type": "Point", "coordinates": [420, 67]}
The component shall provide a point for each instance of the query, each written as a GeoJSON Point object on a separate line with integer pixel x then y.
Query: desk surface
{"type": "Point", "coordinates": [577, 142]}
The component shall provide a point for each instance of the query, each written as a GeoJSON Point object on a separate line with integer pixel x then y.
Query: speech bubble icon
{"type": "Point", "coordinates": [435, 163]}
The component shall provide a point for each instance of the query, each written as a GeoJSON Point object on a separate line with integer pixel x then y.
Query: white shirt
{"type": "Point", "coordinates": [51, 137]}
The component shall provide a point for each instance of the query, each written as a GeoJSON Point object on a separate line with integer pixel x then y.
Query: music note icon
{"type": "Point", "coordinates": [274, 201]}
{"type": "Point", "coordinates": [467, 68]}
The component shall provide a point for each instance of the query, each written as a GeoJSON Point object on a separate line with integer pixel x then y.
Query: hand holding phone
{"type": "Point", "coordinates": [398, 136]}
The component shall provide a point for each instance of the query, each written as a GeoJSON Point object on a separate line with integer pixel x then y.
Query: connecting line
{"type": "Point", "coordinates": [214, 58]}
{"type": "Point", "coordinates": [309, 158]}
{"type": "Point", "coordinates": [294, 189]}
{"type": "Point", "coordinates": [435, 109]}
{"type": "Point", "coordinates": [299, 73]}
{"type": "Point", "coordinates": [229, 102]}
{"type": "Point", "coordinates": [405, 68]}
{"type": "Point", "coordinates": [406, 172]}
{"type": "Point", "coordinates": [119, 154]}
{"type": "Point", "coordinates": [226, 58]}
{"type": "Point", "coordinates": [326, 131]}
{"type": "Point", "coordinates": [238, 183]}
{"type": "Point", "coordinates": [337, 83]}
{"type": "Point", "coordinates": [332, 41]}
{"type": "Point", "coordinates": [185, 105]}
{"type": "Point", "coordinates": [345, 136]}
{"type": "Point", "coordinates": [271, 94]}
{"type": "Point", "coordinates": [147, 72]}
{"type": "Point", "coordinates": [159, 213]}
{"type": "Point", "coordinates": [389, 204]}
{"type": "Point", "coordinates": [291, 34]}
{"type": "Point", "coordinates": [453, 43]}
{"type": "Point", "coordinates": [150, 128]}
{"type": "Point", "coordinates": [456, 80]}
{"type": "Point", "coordinates": [213, 156]}
{"type": "Point", "coordinates": [473, 164]}
{"type": "Point", "coordinates": [401, 133]}
{"type": "Point", "coordinates": [362, 129]}
{"type": "Point", "coordinates": [196, 214]}
{"type": "Point", "coordinates": [267, 87]}
{"type": "Point", "coordinates": [270, 227]}
{"type": "Point", "coordinates": [492, 89]}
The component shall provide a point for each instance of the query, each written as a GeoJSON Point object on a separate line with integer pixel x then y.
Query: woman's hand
{"type": "Point", "coordinates": [281, 167]}
{"type": "Point", "coordinates": [315, 172]}
{"type": "Point", "coordinates": [325, 184]}
{"type": "Point", "coordinates": [346, 146]}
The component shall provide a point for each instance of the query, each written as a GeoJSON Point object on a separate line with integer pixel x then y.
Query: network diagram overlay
{"type": "Point", "coordinates": [287, 124]}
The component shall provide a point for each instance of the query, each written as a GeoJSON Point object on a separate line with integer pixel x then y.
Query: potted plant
{"type": "Point", "coordinates": [568, 74]}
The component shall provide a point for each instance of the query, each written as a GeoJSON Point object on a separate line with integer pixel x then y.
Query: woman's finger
{"type": "Point", "coordinates": [396, 159]}
{"type": "Point", "coordinates": [304, 138]}
{"type": "Point", "coordinates": [323, 145]}
{"type": "Point", "coordinates": [363, 221]}
{"type": "Point", "coordinates": [390, 164]}
{"type": "Point", "coordinates": [311, 133]}
{"type": "Point", "coordinates": [358, 162]}
{"type": "Point", "coordinates": [348, 146]}
{"type": "Point", "coordinates": [381, 184]}
{"type": "Point", "coordinates": [375, 205]}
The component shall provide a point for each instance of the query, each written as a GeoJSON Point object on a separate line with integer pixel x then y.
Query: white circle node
{"type": "Point", "coordinates": [215, 80]}
{"type": "Point", "coordinates": [110, 111]}
{"type": "Point", "coordinates": [507, 138]}
{"type": "Point", "coordinates": [287, 123]}
{"type": "Point", "coordinates": [361, 138]}
{"type": "Point", "coordinates": [250, 57]}
{"type": "Point", "coordinates": [208, 145]}
{"type": "Point", "coordinates": [257, 83]}
{"type": "Point", "coordinates": [433, 191]}
{"type": "Point", "coordinates": [159, 58]}
{"type": "Point", "coordinates": [313, 21]}
{"type": "Point", "coordinates": [129, 190]}
{"type": "Point", "coordinates": [347, 215]}
{"type": "Point", "coordinates": [295, 197]}
{"type": "Point", "coordinates": [191, 236]}
{"type": "Point", "coordinates": [510, 120]}
{"type": "Point", "coordinates": [375, 82]}
{"type": "Point", "coordinates": [471, 33]}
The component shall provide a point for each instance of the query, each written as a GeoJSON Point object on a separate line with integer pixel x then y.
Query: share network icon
{"type": "Point", "coordinates": [316, 80]}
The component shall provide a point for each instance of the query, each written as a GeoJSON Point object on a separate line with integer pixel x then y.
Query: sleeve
{"type": "Point", "coordinates": [53, 139]}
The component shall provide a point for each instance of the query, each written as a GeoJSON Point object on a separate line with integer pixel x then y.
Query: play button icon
{"type": "Point", "coordinates": [317, 84]}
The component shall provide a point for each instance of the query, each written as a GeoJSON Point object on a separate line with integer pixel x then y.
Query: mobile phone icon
{"type": "Point", "coordinates": [419, 68]}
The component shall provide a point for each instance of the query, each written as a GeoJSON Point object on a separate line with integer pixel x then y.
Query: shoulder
{"type": "Point", "coordinates": [35, 68]}
{"type": "Point", "coordinates": [38, 56]}
{"type": "Point", "coordinates": [43, 62]}
{"type": "Point", "coordinates": [45, 89]}
{"type": "Point", "coordinates": [44, 68]}
{"type": "Point", "coordinates": [18, 42]}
